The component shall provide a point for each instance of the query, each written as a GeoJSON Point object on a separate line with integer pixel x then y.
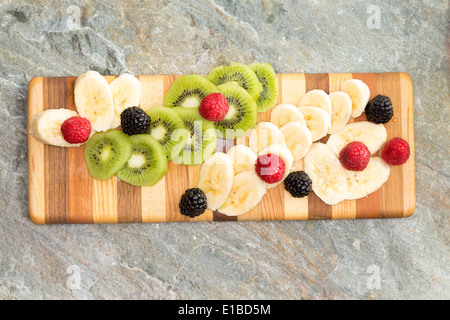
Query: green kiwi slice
{"type": "Point", "coordinates": [241, 115]}
{"type": "Point", "coordinates": [269, 95]}
{"type": "Point", "coordinates": [188, 91]}
{"type": "Point", "coordinates": [238, 73]}
{"type": "Point", "coordinates": [147, 163]}
{"type": "Point", "coordinates": [106, 152]}
{"type": "Point", "coordinates": [164, 122]}
{"type": "Point", "coordinates": [199, 139]}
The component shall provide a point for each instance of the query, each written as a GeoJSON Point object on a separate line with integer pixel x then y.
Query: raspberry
{"type": "Point", "coordinates": [355, 156]}
{"type": "Point", "coordinates": [76, 130]}
{"type": "Point", "coordinates": [396, 151]}
{"type": "Point", "coordinates": [270, 168]}
{"type": "Point", "coordinates": [214, 107]}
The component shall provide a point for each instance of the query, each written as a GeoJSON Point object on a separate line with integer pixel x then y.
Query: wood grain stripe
{"type": "Point", "coordinates": [368, 207]}
{"type": "Point", "coordinates": [55, 158]}
{"type": "Point", "coordinates": [36, 160]}
{"type": "Point", "coordinates": [391, 194]}
{"type": "Point", "coordinates": [317, 209]}
{"type": "Point", "coordinates": [129, 202]}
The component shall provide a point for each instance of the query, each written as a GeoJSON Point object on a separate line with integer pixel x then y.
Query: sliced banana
{"type": "Point", "coordinates": [94, 100]}
{"type": "Point", "coordinates": [326, 173]}
{"type": "Point", "coordinates": [247, 191]}
{"type": "Point", "coordinates": [372, 135]}
{"type": "Point", "coordinates": [285, 113]}
{"type": "Point", "coordinates": [126, 91]}
{"type": "Point", "coordinates": [341, 110]}
{"type": "Point", "coordinates": [263, 135]}
{"type": "Point", "coordinates": [283, 152]}
{"type": "Point", "coordinates": [243, 158]}
{"type": "Point", "coordinates": [298, 139]}
{"type": "Point", "coordinates": [317, 120]}
{"type": "Point", "coordinates": [359, 92]}
{"type": "Point", "coordinates": [45, 126]}
{"type": "Point", "coordinates": [362, 183]}
{"type": "Point", "coordinates": [317, 98]}
{"type": "Point", "coordinates": [216, 179]}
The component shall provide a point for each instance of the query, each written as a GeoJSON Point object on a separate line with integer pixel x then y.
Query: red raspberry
{"type": "Point", "coordinates": [396, 151]}
{"type": "Point", "coordinates": [214, 107]}
{"type": "Point", "coordinates": [355, 156]}
{"type": "Point", "coordinates": [76, 130]}
{"type": "Point", "coordinates": [270, 168]}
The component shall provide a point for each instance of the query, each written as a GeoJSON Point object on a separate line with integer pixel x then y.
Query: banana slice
{"type": "Point", "coordinates": [317, 98]}
{"type": "Point", "coordinates": [126, 91]}
{"type": "Point", "coordinates": [283, 152]}
{"type": "Point", "coordinates": [298, 139]}
{"type": "Point", "coordinates": [326, 173]}
{"type": "Point", "coordinates": [362, 183]}
{"type": "Point", "coordinates": [341, 110]}
{"type": "Point", "coordinates": [216, 179]}
{"type": "Point", "coordinates": [45, 126]}
{"type": "Point", "coordinates": [263, 135]}
{"type": "Point", "coordinates": [371, 134]}
{"type": "Point", "coordinates": [318, 121]}
{"type": "Point", "coordinates": [285, 113]}
{"type": "Point", "coordinates": [248, 190]}
{"type": "Point", "coordinates": [243, 158]}
{"type": "Point", "coordinates": [359, 92]}
{"type": "Point", "coordinates": [94, 100]}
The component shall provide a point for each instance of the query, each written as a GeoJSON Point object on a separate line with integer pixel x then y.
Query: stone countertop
{"type": "Point", "coordinates": [349, 259]}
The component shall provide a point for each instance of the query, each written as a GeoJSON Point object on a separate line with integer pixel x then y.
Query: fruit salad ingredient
{"type": "Point", "coordinates": [359, 92]}
{"type": "Point", "coordinates": [285, 113]}
{"type": "Point", "coordinates": [94, 100]}
{"type": "Point", "coordinates": [326, 173]}
{"type": "Point", "coordinates": [247, 191]}
{"type": "Point", "coordinates": [269, 82]}
{"type": "Point", "coordinates": [243, 158]}
{"type": "Point", "coordinates": [270, 168]}
{"type": "Point", "coordinates": [355, 156]}
{"type": "Point", "coordinates": [341, 110]}
{"type": "Point", "coordinates": [317, 120]}
{"type": "Point", "coordinates": [216, 179]}
{"type": "Point", "coordinates": [193, 202]}
{"type": "Point", "coordinates": [106, 152]}
{"type": "Point", "coordinates": [298, 184]}
{"type": "Point", "coordinates": [134, 120]}
{"type": "Point", "coordinates": [371, 134]}
{"type": "Point", "coordinates": [317, 98]}
{"type": "Point", "coordinates": [214, 107]}
{"type": "Point", "coordinates": [298, 139]}
{"type": "Point", "coordinates": [379, 109]}
{"type": "Point", "coordinates": [283, 152]}
{"type": "Point", "coordinates": [126, 92]}
{"type": "Point", "coordinates": [76, 130]}
{"type": "Point", "coordinates": [265, 134]}
{"type": "Point", "coordinates": [45, 126]}
{"type": "Point", "coordinates": [147, 163]}
{"type": "Point", "coordinates": [396, 151]}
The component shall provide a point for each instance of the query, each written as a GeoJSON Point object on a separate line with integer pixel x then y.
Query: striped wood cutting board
{"type": "Point", "coordinates": [62, 191]}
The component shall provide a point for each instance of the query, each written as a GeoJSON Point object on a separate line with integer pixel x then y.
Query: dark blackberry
{"type": "Point", "coordinates": [298, 184]}
{"type": "Point", "coordinates": [379, 109]}
{"type": "Point", "coordinates": [134, 120]}
{"type": "Point", "coordinates": [193, 202]}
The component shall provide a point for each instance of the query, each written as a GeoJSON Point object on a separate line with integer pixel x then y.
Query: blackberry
{"type": "Point", "coordinates": [134, 120]}
{"type": "Point", "coordinates": [193, 202]}
{"type": "Point", "coordinates": [379, 109]}
{"type": "Point", "coordinates": [298, 184]}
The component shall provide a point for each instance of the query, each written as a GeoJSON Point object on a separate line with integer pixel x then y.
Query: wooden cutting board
{"type": "Point", "coordinates": [62, 191]}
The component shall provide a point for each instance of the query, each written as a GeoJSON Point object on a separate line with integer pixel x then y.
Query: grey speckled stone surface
{"type": "Point", "coordinates": [268, 260]}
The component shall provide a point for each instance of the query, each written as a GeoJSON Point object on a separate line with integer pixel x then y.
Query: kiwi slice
{"type": "Point", "coordinates": [106, 152]}
{"type": "Point", "coordinates": [188, 91]}
{"type": "Point", "coordinates": [200, 138]}
{"type": "Point", "coordinates": [238, 73]}
{"type": "Point", "coordinates": [147, 163]}
{"type": "Point", "coordinates": [164, 122]}
{"type": "Point", "coordinates": [241, 115]}
{"type": "Point", "coordinates": [269, 95]}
